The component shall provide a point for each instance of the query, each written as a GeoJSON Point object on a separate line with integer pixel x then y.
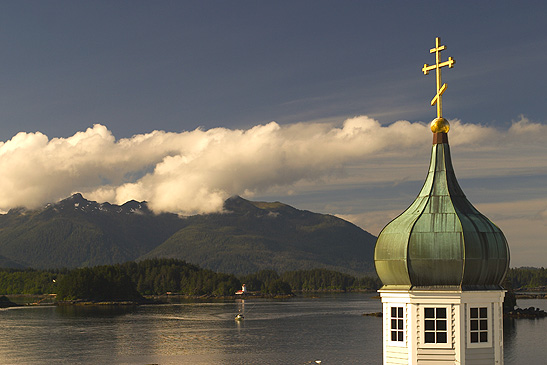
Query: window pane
{"type": "Point", "coordinates": [474, 325]}
{"type": "Point", "coordinates": [393, 335]}
{"type": "Point", "coordinates": [393, 324]}
{"type": "Point", "coordinates": [478, 324]}
{"type": "Point", "coordinates": [474, 337]}
{"type": "Point", "coordinates": [441, 337]}
{"type": "Point", "coordinates": [393, 311]}
{"type": "Point", "coordinates": [436, 324]}
{"type": "Point", "coordinates": [400, 324]}
{"type": "Point", "coordinates": [474, 312]}
{"type": "Point", "coordinates": [400, 334]}
{"type": "Point", "coordinates": [441, 325]}
{"type": "Point", "coordinates": [400, 312]}
{"type": "Point", "coordinates": [441, 312]}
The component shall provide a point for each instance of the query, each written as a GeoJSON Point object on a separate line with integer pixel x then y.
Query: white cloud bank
{"type": "Point", "coordinates": [194, 172]}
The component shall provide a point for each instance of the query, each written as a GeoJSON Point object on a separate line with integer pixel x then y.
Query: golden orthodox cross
{"type": "Point", "coordinates": [437, 99]}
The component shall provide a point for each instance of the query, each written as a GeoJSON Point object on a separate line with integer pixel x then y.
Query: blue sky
{"type": "Point", "coordinates": [230, 68]}
{"type": "Point", "coordinates": [176, 65]}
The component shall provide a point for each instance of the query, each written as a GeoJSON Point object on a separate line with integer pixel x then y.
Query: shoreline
{"type": "Point", "coordinates": [50, 299]}
{"type": "Point", "coordinates": [531, 295]}
{"type": "Point", "coordinates": [17, 300]}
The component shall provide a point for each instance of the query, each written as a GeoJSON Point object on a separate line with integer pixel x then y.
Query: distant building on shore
{"type": "Point", "coordinates": [242, 291]}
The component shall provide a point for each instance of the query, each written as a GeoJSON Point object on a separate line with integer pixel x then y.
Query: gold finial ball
{"type": "Point", "coordinates": [440, 125]}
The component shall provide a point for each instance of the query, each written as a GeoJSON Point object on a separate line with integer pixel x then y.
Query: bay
{"type": "Point", "coordinates": [329, 328]}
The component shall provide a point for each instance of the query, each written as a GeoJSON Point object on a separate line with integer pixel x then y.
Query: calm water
{"type": "Point", "coordinates": [296, 331]}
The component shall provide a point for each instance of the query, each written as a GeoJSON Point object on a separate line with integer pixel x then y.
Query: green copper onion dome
{"type": "Point", "coordinates": [441, 240]}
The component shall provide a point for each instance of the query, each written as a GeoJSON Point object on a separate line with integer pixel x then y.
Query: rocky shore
{"type": "Point", "coordinates": [6, 303]}
{"type": "Point", "coordinates": [531, 295]}
{"type": "Point", "coordinates": [530, 312]}
{"type": "Point", "coordinates": [373, 314]}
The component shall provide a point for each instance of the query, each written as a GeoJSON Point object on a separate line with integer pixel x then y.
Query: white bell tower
{"type": "Point", "coordinates": [442, 263]}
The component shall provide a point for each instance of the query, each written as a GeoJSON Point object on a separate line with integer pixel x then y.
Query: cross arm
{"type": "Point", "coordinates": [428, 68]}
{"type": "Point", "coordinates": [439, 93]}
{"type": "Point", "coordinates": [439, 48]}
{"type": "Point", "coordinates": [450, 63]}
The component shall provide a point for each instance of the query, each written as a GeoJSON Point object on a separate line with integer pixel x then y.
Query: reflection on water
{"type": "Point", "coordinates": [525, 340]}
{"type": "Point", "coordinates": [296, 331]}
{"type": "Point", "coordinates": [77, 311]}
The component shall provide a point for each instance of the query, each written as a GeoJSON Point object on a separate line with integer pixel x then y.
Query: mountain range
{"type": "Point", "coordinates": [246, 237]}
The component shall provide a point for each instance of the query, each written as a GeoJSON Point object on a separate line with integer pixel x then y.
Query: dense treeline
{"type": "Point", "coordinates": [266, 281]}
{"type": "Point", "coordinates": [159, 276]}
{"type": "Point", "coordinates": [29, 281]}
{"type": "Point", "coordinates": [322, 279]}
{"type": "Point", "coordinates": [99, 283]}
{"type": "Point", "coordinates": [527, 277]}
{"type": "Point", "coordinates": [128, 281]}
{"type": "Point", "coordinates": [132, 280]}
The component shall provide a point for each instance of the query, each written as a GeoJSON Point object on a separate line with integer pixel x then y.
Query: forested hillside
{"type": "Point", "coordinates": [76, 232]}
{"type": "Point", "coordinates": [246, 237]}
{"type": "Point", "coordinates": [252, 236]}
{"type": "Point", "coordinates": [527, 277]}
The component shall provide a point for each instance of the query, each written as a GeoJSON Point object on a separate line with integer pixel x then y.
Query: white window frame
{"type": "Point", "coordinates": [489, 329]}
{"type": "Point", "coordinates": [448, 343]}
{"type": "Point", "coordinates": [404, 319]}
